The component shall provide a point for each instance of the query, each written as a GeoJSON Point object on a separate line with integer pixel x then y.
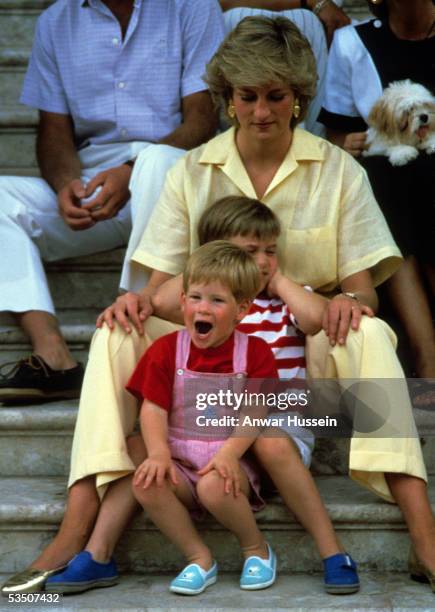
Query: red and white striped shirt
{"type": "Point", "coordinates": [271, 320]}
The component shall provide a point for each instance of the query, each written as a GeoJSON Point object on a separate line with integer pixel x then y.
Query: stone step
{"type": "Point", "coordinates": [302, 592]}
{"type": "Point", "coordinates": [36, 441]}
{"type": "Point", "coordinates": [370, 529]}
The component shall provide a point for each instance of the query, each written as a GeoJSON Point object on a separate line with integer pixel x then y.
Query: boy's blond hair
{"type": "Point", "coordinates": [227, 263]}
{"type": "Point", "coordinates": [237, 216]}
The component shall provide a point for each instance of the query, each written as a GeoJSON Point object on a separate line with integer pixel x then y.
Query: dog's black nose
{"type": "Point", "coordinates": [424, 118]}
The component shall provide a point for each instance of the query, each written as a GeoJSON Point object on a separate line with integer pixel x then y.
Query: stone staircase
{"type": "Point", "coordinates": [34, 456]}
{"type": "Point", "coordinates": [35, 441]}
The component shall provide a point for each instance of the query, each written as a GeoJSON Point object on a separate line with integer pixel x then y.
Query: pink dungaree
{"type": "Point", "coordinates": [191, 455]}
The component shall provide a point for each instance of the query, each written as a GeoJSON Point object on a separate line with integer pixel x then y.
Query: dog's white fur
{"type": "Point", "coordinates": [395, 119]}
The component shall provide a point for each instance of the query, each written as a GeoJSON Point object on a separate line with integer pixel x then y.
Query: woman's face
{"type": "Point", "coordinates": [264, 112]}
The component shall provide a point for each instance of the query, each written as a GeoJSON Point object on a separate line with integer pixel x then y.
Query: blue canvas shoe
{"type": "Point", "coordinates": [193, 580]}
{"type": "Point", "coordinates": [258, 573]}
{"type": "Point", "coordinates": [83, 573]}
{"type": "Point", "coordinates": [341, 575]}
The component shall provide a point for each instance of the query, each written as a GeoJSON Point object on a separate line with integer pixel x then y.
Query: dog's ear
{"type": "Point", "coordinates": [403, 120]}
{"type": "Point", "coordinates": [376, 115]}
{"type": "Point", "coordinates": [382, 118]}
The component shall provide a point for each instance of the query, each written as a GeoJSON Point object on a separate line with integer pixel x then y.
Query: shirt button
{"type": "Point", "coordinates": [115, 41]}
{"type": "Point", "coordinates": [124, 132]}
{"type": "Point", "coordinates": [121, 85]}
{"type": "Point", "coordinates": [378, 23]}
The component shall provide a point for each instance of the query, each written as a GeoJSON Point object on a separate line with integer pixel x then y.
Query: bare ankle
{"type": "Point", "coordinates": [259, 549]}
{"type": "Point", "coordinates": [203, 559]}
{"type": "Point", "coordinates": [55, 353]}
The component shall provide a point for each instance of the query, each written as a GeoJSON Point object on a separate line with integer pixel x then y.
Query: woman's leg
{"type": "Point", "coordinates": [232, 512]}
{"type": "Point", "coordinates": [167, 506]}
{"type": "Point", "coordinates": [429, 270]}
{"type": "Point", "coordinates": [391, 467]}
{"type": "Point", "coordinates": [411, 496]}
{"type": "Point", "coordinates": [409, 299]}
{"type": "Point", "coordinates": [77, 524]}
{"type": "Point", "coordinates": [281, 460]}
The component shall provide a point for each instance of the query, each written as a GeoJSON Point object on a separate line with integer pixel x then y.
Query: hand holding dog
{"type": "Point", "coordinates": [355, 143]}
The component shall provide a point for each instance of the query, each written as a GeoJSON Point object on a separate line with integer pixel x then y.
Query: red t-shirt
{"type": "Point", "coordinates": [153, 377]}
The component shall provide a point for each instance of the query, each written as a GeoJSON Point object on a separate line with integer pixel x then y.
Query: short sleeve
{"type": "Point", "coordinates": [203, 31]}
{"type": "Point", "coordinates": [364, 239]}
{"type": "Point", "coordinates": [261, 362]}
{"type": "Point", "coordinates": [153, 377]}
{"type": "Point", "coordinates": [43, 87]}
{"type": "Point", "coordinates": [165, 244]}
{"type": "Point", "coordinates": [339, 110]}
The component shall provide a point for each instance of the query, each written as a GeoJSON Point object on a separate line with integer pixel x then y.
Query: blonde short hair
{"type": "Point", "coordinates": [259, 51]}
{"type": "Point", "coordinates": [226, 263]}
{"type": "Point", "coordinates": [237, 216]}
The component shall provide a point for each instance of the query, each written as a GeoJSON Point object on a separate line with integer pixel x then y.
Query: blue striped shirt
{"type": "Point", "coordinates": [115, 89]}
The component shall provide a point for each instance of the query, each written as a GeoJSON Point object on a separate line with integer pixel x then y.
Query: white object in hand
{"type": "Point", "coordinates": [92, 196]}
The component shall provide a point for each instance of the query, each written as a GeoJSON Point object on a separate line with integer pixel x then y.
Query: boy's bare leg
{"type": "Point", "coordinates": [281, 460]}
{"type": "Point", "coordinates": [410, 494]}
{"type": "Point", "coordinates": [77, 524]}
{"type": "Point", "coordinates": [44, 333]}
{"type": "Point", "coordinates": [167, 507]}
{"type": "Point", "coordinates": [232, 512]}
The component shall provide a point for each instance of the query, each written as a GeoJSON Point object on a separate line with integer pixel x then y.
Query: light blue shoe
{"type": "Point", "coordinates": [193, 579]}
{"type": "Point", "coordinates": [258, 573]}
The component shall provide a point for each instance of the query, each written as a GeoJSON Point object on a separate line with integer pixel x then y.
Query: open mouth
{"type": "Point", "coordinates": [203, 327]}
{"type": "Point", "coordinates": [423, 131]}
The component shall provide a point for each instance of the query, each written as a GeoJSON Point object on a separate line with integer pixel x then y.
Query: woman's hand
{"type": "Point", "coordinates": [355, 143]}
{"type": "Point", "coordinates": [156, 467]}
{"type": "Point", "coordinates": [341, 314]}
{"type": "Point", "coordinates": [227, 466]}
{"type": "Point", "coordinates": [128, 309]}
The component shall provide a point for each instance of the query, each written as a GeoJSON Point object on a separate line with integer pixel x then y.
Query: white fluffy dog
{"type": "Point", "coordinates": [401, 122]}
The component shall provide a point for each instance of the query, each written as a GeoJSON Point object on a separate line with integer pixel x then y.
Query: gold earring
{"type": "Point", "coordinates": [296, 109]}
{"type": "Point", "coordinates": [375, 2]}
{"type": "Point", "coordinates": [231, 110]}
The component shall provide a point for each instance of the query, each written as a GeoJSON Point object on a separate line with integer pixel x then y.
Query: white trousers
{"type": "Point", "coordinates": [32, 230]}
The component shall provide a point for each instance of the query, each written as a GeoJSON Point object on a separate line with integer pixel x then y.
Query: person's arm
{"type": "Point", "coordinates": [345, 312]}
{"type": "Point", "coordinates": [352, 142]}
{"type": "Point", "coordinates": [166, 302]}
{"type": "Point", "coordinates": [330, 14]}
{"type": "Point", "coordinates": [158, 464]}
{"type": "Point", "coordinates": [60, 167]}
{"type": "Point", "coordinates": [133, 308]}
{"type": "Point", "coordinates": [199, 124]}
{"type": "Point", "coordinates": [306, 306]}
